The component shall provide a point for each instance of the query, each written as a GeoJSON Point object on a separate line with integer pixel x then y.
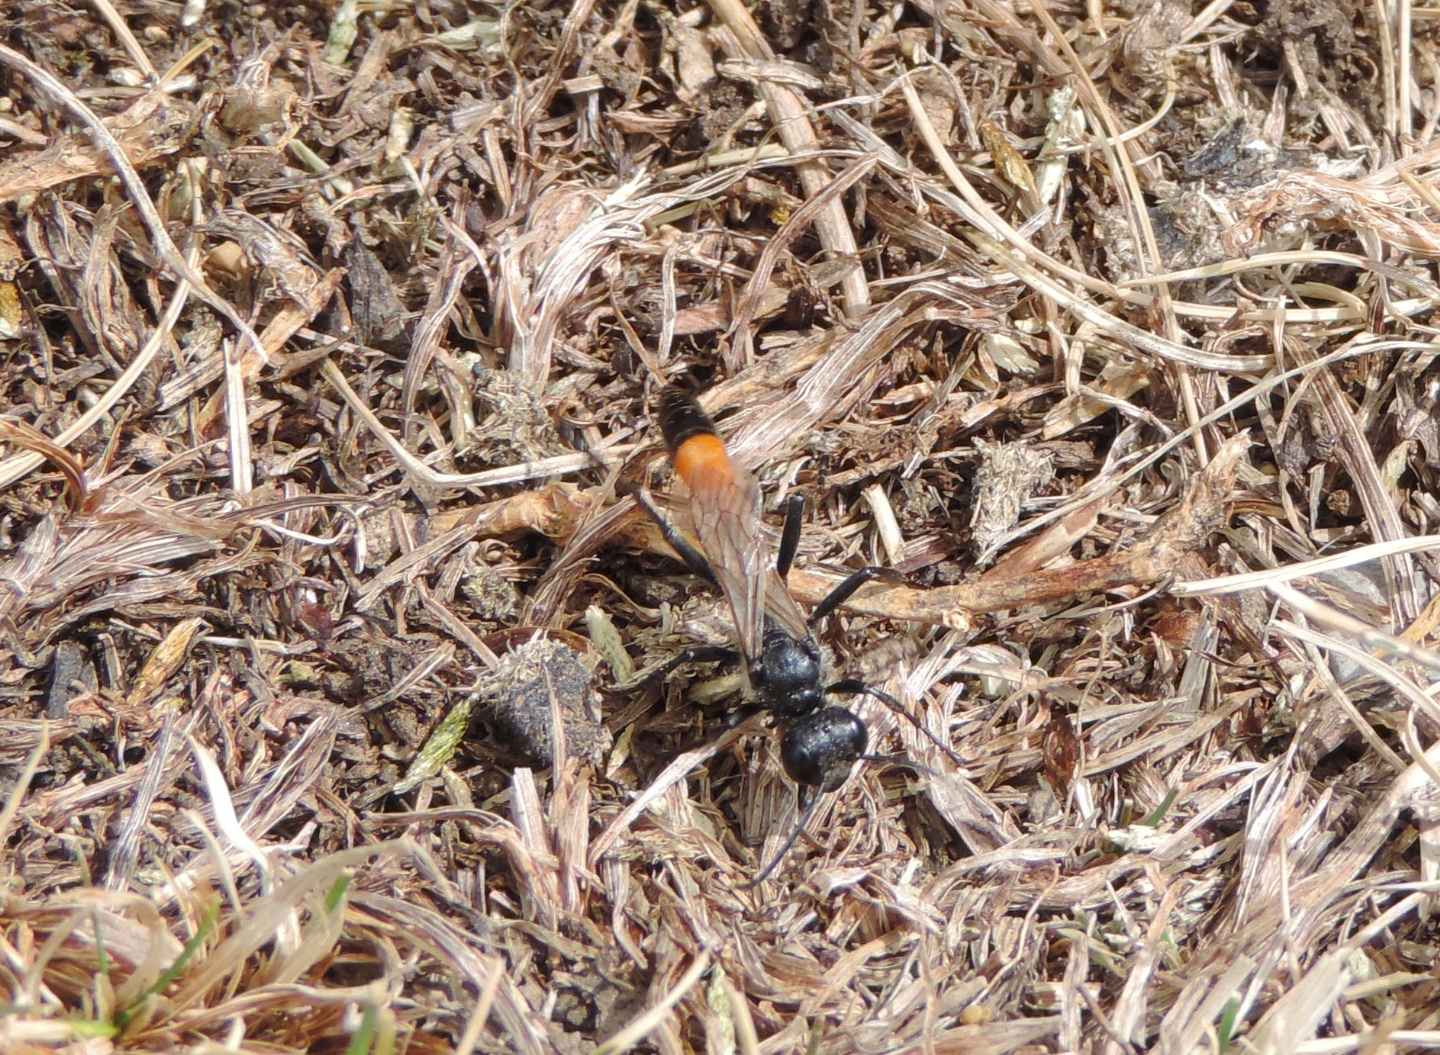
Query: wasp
{"type": "Point", "coordinates": [776, 646]}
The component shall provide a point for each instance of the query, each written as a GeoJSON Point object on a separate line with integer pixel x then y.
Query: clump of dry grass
{"type": "Point", "coordinates": [326, 341]}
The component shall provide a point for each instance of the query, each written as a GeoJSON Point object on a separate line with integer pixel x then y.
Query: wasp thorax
{"type": "Point", "coordinates": [787, 675]}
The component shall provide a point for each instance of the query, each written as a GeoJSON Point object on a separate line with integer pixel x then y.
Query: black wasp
{"type": "Point", "coordinates": [777, 650]}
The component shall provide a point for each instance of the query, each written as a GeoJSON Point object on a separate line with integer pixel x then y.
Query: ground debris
{"type": "Point", "coordinates": [1008, 475]}
{"type": "Point", "coordinates": [535, 681]}
{"type": "Point", "coordinates": [330, 337]}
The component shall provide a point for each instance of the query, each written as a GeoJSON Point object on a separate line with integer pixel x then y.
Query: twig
{"type": "Point", "coordinates": [127, 38]}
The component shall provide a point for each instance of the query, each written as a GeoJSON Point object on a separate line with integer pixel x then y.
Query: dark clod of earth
{"type": "Point", "coordinates": [515, 703]}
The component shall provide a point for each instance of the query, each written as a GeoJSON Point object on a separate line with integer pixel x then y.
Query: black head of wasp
{"type": "Point", "coordinates": [777, 651]}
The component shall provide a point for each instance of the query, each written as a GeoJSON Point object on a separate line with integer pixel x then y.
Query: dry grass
{"type": "Point", "coordinates": [333, 644]}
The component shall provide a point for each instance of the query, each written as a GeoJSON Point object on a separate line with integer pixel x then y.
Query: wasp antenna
{"type": "Point", "coordinates": [852, 687]}
{"type": "Point", "coordinates": [805, 816]}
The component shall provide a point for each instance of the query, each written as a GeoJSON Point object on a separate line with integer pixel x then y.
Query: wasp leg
{"type": "Point", "coordinates": [701, 654]}
{"type": "Point", "coordinates": [790, 535]}
{"type": "Point", "coordinates": [847, 587]}
{"type": "Point", "coordinates": [693, 558]}
{"type": "Point", "coordinates": [715, 654]}
{"type": "Point", "coordinates": [742, 714]}
{"type": "Point", "coordinates": [856, 687]}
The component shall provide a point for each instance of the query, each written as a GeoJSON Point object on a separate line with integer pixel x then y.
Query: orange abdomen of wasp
{"type": "Point", "coordinates": [701, 461]}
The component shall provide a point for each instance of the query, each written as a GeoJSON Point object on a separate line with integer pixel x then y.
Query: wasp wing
{"type": "Point", "coordinates": [725, 512]}
{"type": "Point", "coordinates": [730, 529]}
{"type": "Point", "coordinates": [784, 609]}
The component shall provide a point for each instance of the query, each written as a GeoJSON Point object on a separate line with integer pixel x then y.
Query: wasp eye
{"type": "Point", "coordinates": [819, 749]}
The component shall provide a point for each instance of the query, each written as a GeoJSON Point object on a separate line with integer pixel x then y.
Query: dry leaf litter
{"type": "Point", "coordinates": [336, 689]}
